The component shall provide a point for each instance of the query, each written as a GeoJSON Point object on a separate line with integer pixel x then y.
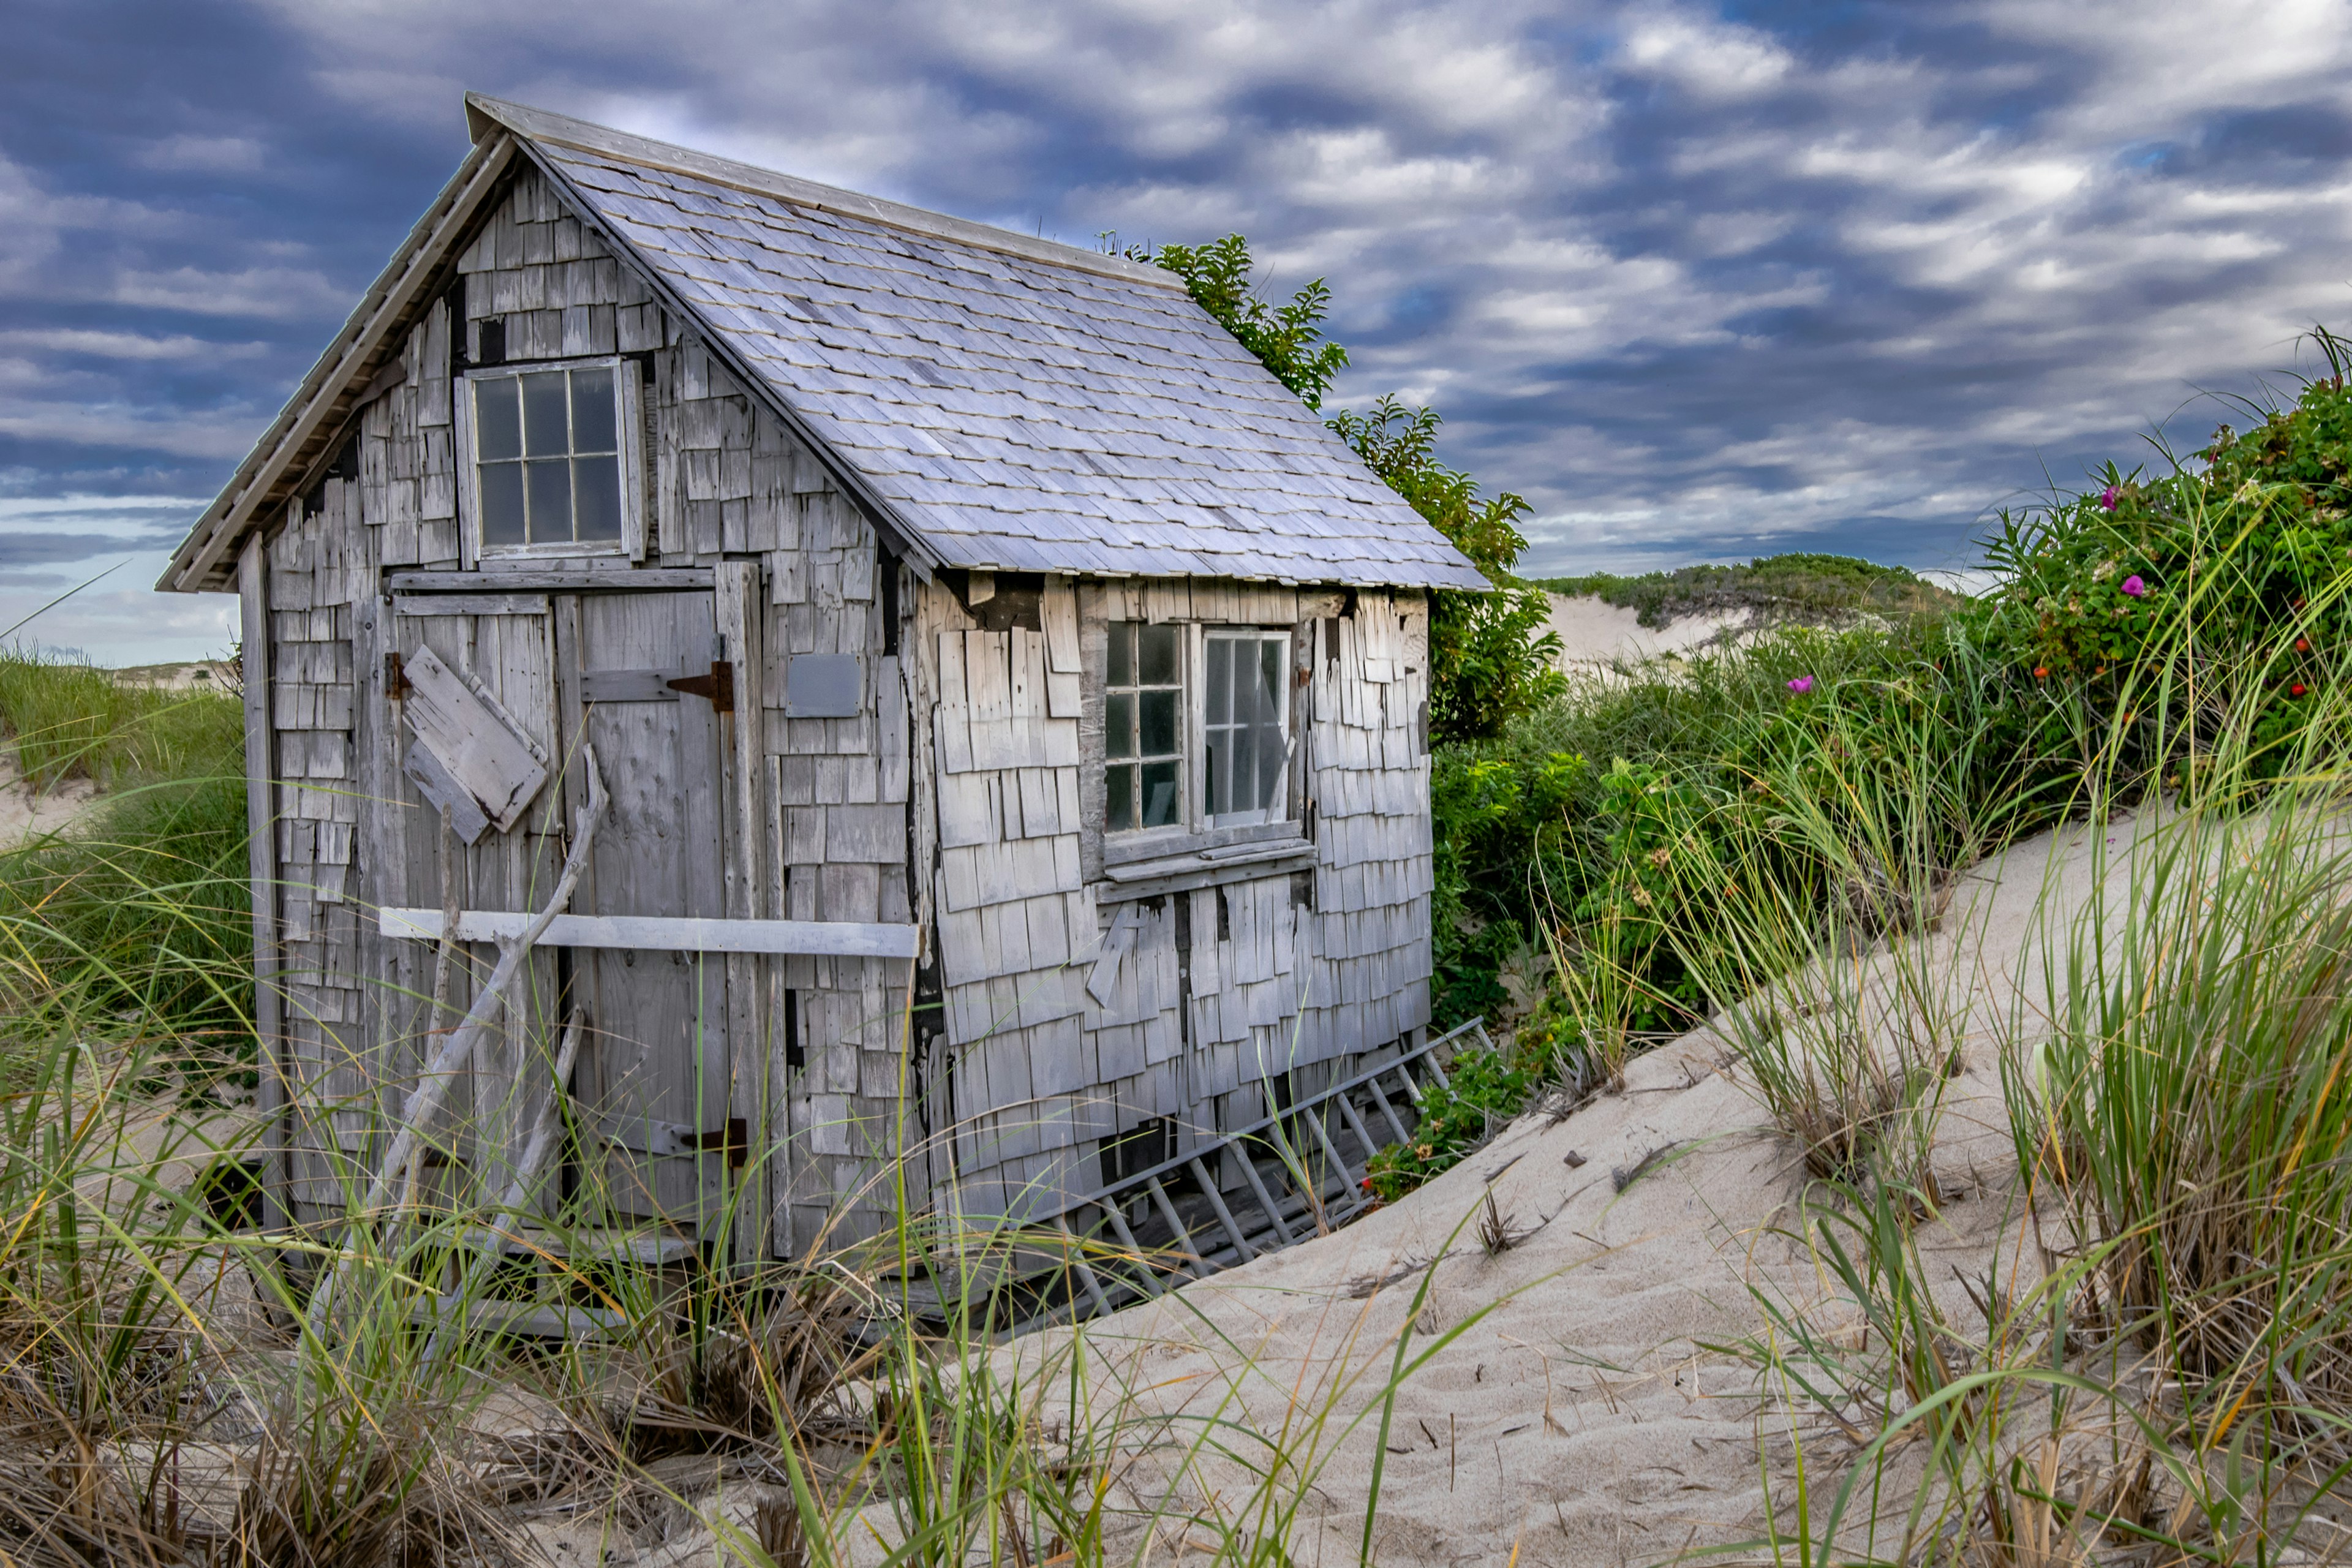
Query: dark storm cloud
{"type": "Point", "coordinates": [1696, 280]}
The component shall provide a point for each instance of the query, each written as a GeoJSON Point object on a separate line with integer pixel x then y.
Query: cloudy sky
{"type": "Point", "coordinates": [1699, 281]}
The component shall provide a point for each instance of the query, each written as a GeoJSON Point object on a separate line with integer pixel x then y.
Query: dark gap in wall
{"type": "Point", "coordinates": [455, 297]}
{"type": "Point", "coordinates": [1018, 601]}
{"type": "Point", "coordinates": [1137, 1149]}
{"type": "Point", "coordinates": [490, 340]}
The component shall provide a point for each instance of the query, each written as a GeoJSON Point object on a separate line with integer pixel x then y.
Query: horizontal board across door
{"type": "Point", "coordinates": [658, 933]}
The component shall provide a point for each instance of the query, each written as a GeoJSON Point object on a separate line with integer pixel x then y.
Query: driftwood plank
{"type": "Point", "coordinates": [667, 933]}
{"type": "Point", "coordinates": [476, 747]}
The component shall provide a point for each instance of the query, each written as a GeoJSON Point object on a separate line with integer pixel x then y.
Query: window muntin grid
{"type": "Point", "coordinates": [547, 455]}
{"type": "Point", "coordinates": [1144, 727]}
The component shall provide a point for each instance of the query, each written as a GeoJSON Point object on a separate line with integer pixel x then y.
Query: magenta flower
{"type": "Point", "coordinates": [1802, 685]}
{"type": "Point", "coordinates": [2108, 499]}
{"type": "Point", "coordinates": [2134, 586]}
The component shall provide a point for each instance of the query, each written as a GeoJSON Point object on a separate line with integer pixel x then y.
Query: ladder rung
{"type": "Point", "coordinates": [652, 1247]}
{"type": "Point", "coordinates": [555, 1321]}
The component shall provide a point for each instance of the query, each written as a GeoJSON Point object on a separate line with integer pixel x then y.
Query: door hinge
{"type": "Point", "coordinates": [395, 678]}
{"type": "Point", "coordinates": [671, 1139]}
{"type": "Point", "coordinates": [719, 686]}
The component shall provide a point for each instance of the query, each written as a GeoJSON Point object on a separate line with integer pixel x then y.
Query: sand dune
{"type": "Point", "coordinates": [1582, 1420]}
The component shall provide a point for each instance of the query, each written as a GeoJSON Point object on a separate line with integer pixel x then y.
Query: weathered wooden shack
{"type": "Point", "coordinates": [1012, 701]}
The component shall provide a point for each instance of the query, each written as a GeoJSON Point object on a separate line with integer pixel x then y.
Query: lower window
{"type": "Point", "coordinates": [1196, 727]}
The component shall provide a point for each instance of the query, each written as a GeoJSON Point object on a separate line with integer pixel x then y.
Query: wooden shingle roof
{"type": "Point", "coordinates": [1004, 403]}
{"type": "Point", "coordinates": [1019, 405]}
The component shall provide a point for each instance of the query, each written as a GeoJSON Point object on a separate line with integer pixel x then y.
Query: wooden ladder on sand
{"type": "Point", "coordinates": [1296, 1173]}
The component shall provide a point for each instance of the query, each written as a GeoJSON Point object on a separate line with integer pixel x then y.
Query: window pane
{"type": "Point", "coordinates": [1119, 724]}
{"type": "Point", "coordinates": [1220, 796]}
{"type": "Point", "coordinates": [1244, 764]}
{"type": "Point", "coordinates": [1269, 673]}
{"type": "Point", "coordinates": [1271, 746]}
{"type": "Point", "coordinates": [596, 497]}
{"type": "Point", "coordinates": [546, 429]}
{"type": "Point", "coordinates": [1121, 793]}
{"type": "Point", "coordinates": [1162, 666]}
{"type": "Point", "coordinates": [1220, 680]}
{"type": "Point", "coordinates": [502, 504]}
{"type": "Point", "coordinates": [498, 425]}
{"type": "Point", "coordinates": [550, 489]}
{"type": "Point", "coordinates": [1159, 722]}
{"type": "Point", "coordinates": [1159, 798]}
{"type": "Point", "coordinates": [593, 425]}
{"type": "Point", "coordinates": [1122, 653]}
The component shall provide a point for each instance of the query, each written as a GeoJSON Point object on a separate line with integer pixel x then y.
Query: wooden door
{"type": "Point", "coordinates": [654, 1080]}
{"type": "Point", "coordinates": [501, 649]}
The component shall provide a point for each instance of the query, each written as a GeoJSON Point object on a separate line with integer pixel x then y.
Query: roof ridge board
{"type": "Point", "coordinates": [540, 125]}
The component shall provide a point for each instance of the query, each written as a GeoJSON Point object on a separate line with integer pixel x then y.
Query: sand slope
{"type": "Point", "coordinates": [1594, 633]}
{"type": "Point", "coordinates": [26, 812]}
{"type": "Point", "coordinates": [1582, 1419]}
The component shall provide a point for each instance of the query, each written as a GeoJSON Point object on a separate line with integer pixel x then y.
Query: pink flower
{"type": "Point", "coordinates": [2134, 586]}
{"type": "Point", "coordinates": [2108, 499]}
{"type": "Point", "coordinates": [1802, 685]}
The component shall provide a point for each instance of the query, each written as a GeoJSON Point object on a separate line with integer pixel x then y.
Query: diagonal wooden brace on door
{"type": "Point", "coordinates": [469, 760]}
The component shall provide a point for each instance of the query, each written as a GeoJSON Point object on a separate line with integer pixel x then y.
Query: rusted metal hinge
{"type": "Point", "coordinates": [719, 686]}
{"type": "Point", "coordinates": [395, 678]}
{"type": "Point", "coordinates": [671, 1139]}
{"type": "Point", "coordinates": [734, 1139]}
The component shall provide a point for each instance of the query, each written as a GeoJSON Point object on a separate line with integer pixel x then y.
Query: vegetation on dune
{"type": "Point", "coordinates": [137, 922]}
{"type": "Point", "coordinates": [1798, 583]}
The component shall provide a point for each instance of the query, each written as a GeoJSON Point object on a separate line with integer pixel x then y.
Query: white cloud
{"type": "Point", "coordinates": [126, 345]}
{"type": "Point", "coordinates": [119, 620]}
{"type": "Point", "coordinates": [203, 154]}
{"type": "Point", "coordinates": [1712, 58]}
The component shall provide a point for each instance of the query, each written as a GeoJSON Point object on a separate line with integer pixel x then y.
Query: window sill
{"type": "Point", "coordinates": [1204, 869]}
{"type": "Point", "coordinates": [1185, 844]}
{"type": "Point", "coordinates": [542, 555]}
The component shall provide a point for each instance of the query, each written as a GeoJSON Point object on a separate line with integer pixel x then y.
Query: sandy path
{"type": "Point", "coordinates": [1581, 1420]}
{"type": "Point", "coordinates": [26, 812]}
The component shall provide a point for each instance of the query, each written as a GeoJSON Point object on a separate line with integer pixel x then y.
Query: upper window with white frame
{"type": "Point", "coordinates": [1196, 727]}
{"type": "Point", "coordinates": [555, 459]}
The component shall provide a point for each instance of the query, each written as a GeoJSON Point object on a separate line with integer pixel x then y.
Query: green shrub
{"type": "Point", "coordinates": [2169, 602]}
{"type": "Point", "coordinates": [1483, 1089]}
